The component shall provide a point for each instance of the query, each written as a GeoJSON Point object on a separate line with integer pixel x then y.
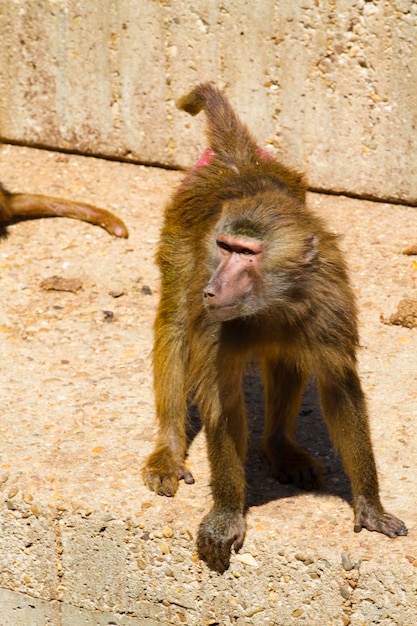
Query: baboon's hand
{"type": "Point", "coordinates": [373, 517]}
{"type": "Point", "coordinates": [220, 530]}
{"type": "Point", "coordinates": [163, 472]}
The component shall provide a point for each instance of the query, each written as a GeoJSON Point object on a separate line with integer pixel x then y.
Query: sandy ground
{"type": "Point", "coordinates": [77, 421]}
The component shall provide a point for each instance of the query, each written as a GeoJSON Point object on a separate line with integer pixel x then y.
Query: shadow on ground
{"type": "Point", "coordinates": [312, 434]}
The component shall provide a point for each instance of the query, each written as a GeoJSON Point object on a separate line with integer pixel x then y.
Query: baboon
{"type": "Point", "coordinates": [247, 269]}
{"type": "Point", "coordinates": [18, 207]}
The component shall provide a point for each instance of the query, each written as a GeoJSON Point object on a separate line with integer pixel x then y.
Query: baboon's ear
{"type": "Point", "coordinates": [312, 248]}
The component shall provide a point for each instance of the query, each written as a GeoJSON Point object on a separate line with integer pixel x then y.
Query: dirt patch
{"type": "Point", "coordinates": [406, 314]}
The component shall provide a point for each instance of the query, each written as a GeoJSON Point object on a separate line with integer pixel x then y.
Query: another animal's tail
{"type": "Point", "coordinates": [18, 207]}
{"type": "Point", "coordinates": [228, 137]}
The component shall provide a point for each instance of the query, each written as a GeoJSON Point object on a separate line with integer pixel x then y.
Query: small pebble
{"type": "Point", "coordinates": [4, 478]}
{"type": "Point", "coordinates": [247, 559]}
{"type": "Point", "coordinates": [297, 613]}
{"type": "Point", "coordinates": [35, 510]}
{"type": "Point", "coordinates": [12, 492]}
{"type": "Point", "coordinates": [116, 292]}
{"type": "Point", "coordinates": [58, 283]}
{"type": "Point", "coordinates": [167, 532]}
{"type": "Point", "coordinates": [410, 250]}
{"type": "Point", "coordinates": [252, 612]}
{"type": "Point", "coordinates": [164, 547]}
{"type": "Point", "coordinates": [108, 316]}
{"type": "Point", "coordinates": [346, 563]}
{"type": "Point", "coordinates": [345, 591]}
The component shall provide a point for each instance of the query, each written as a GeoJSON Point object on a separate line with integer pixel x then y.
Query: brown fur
{"type": "Point", "coordinates": [18, 207]}
{"type": "Point", "coordinates": [244, 215]}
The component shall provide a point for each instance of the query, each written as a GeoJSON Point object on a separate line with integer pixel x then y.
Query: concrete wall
{"type": "Point", "coordinates": [329, 85]}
